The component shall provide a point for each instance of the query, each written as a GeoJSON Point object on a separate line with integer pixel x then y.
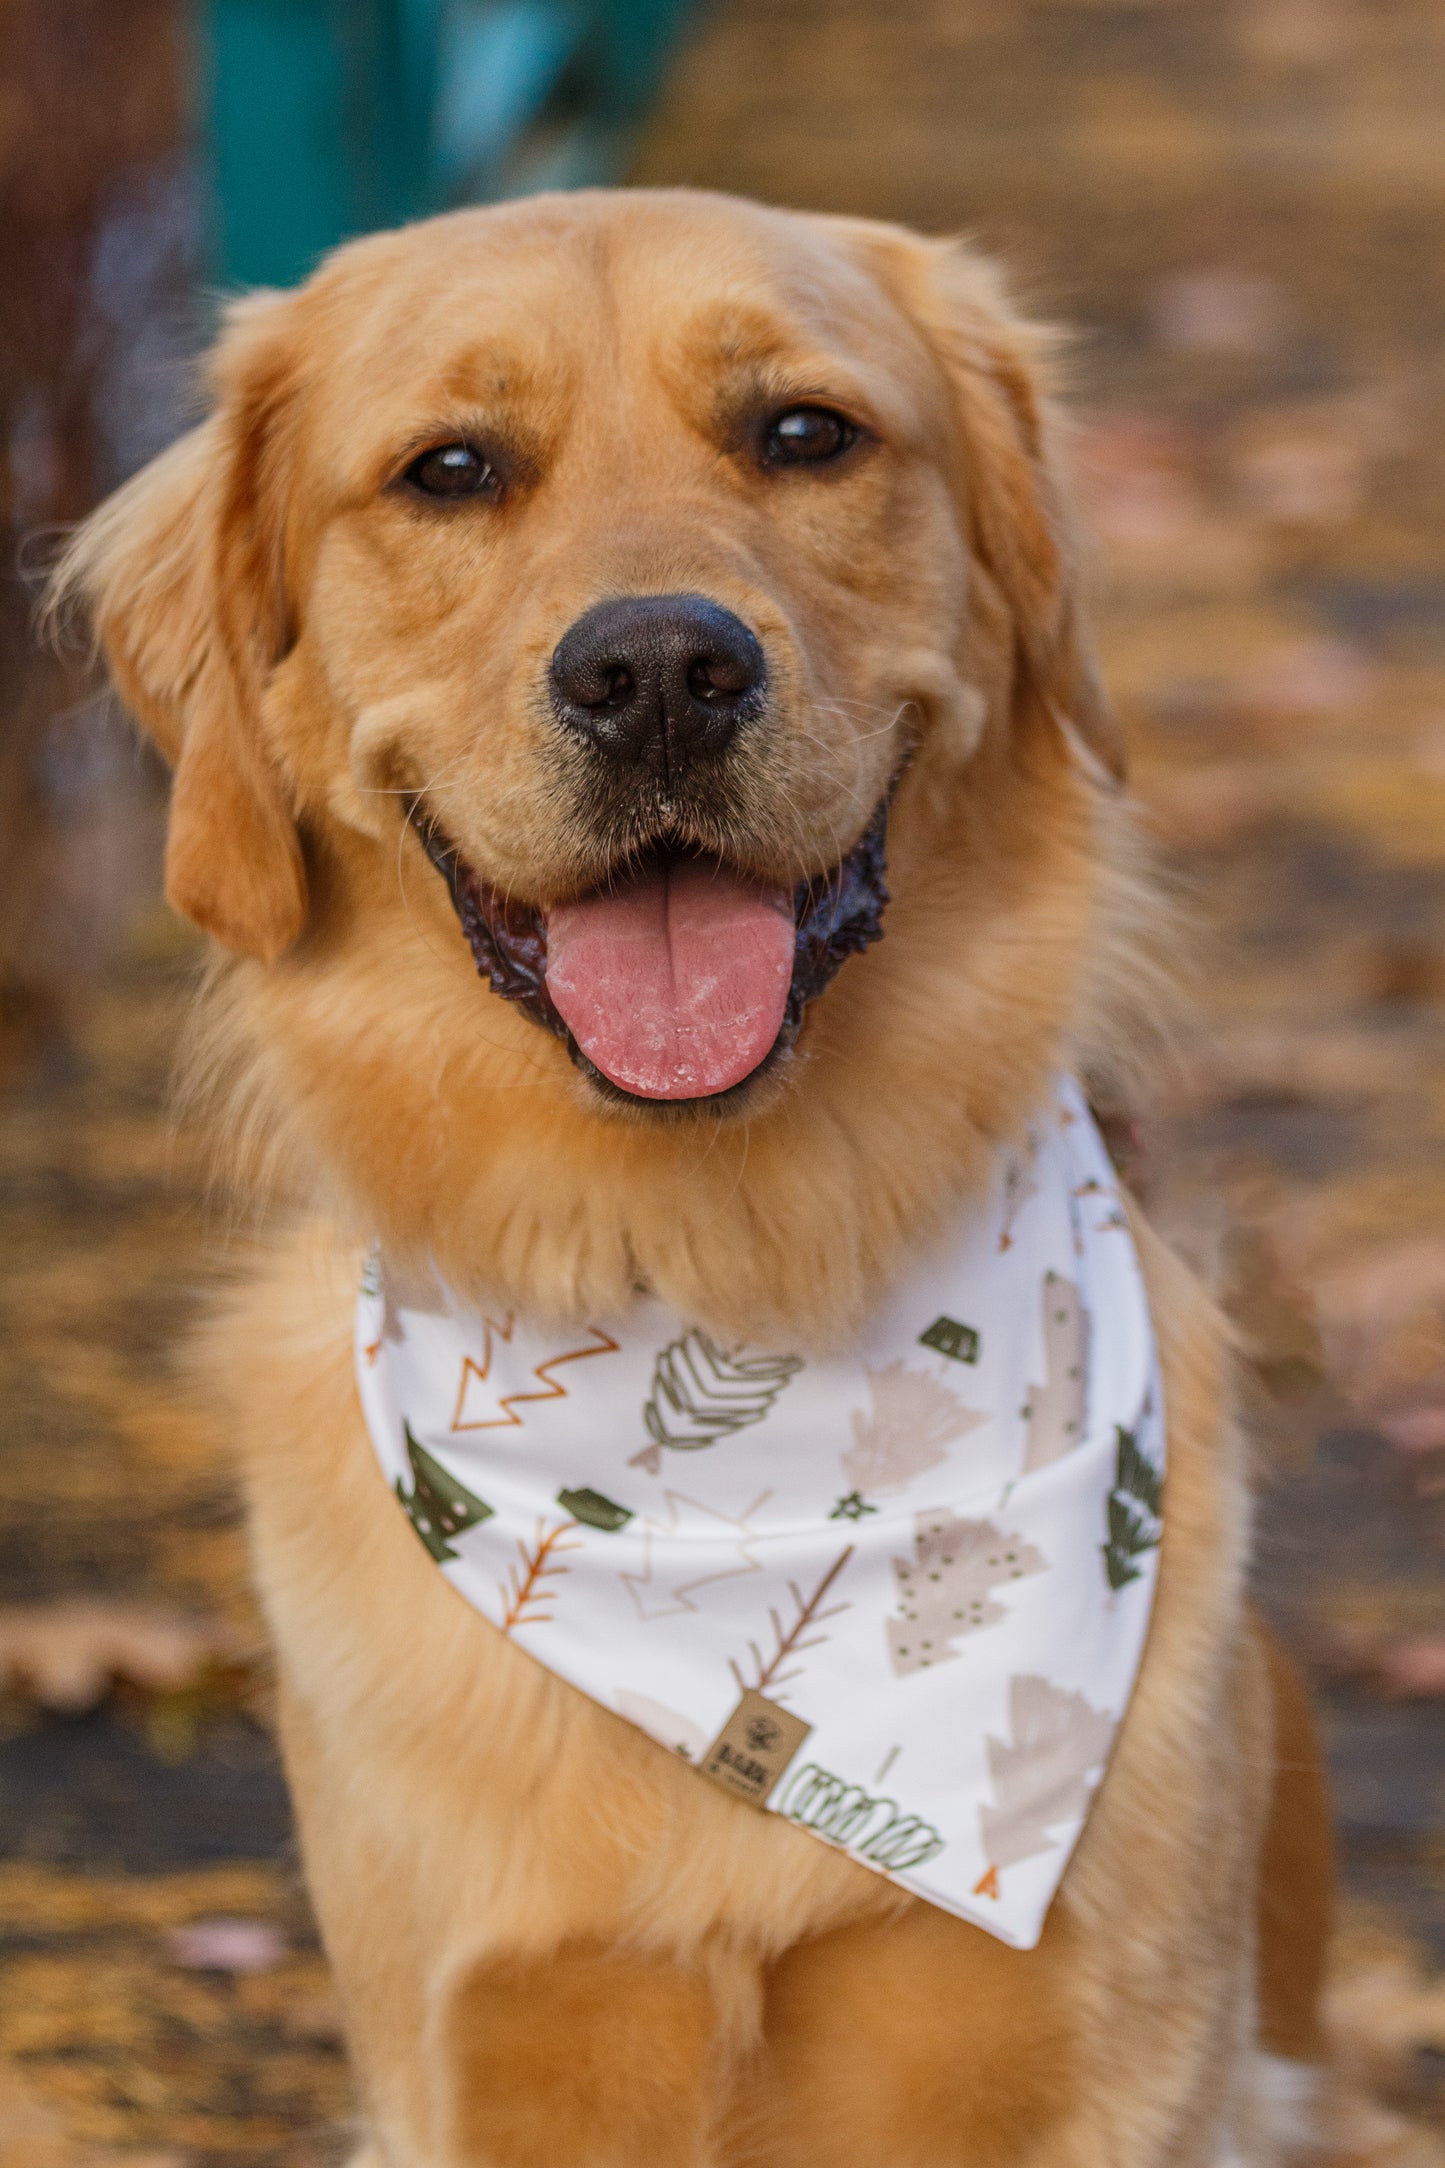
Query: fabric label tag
{"type": "Point", "coordinates": [754, 1747]}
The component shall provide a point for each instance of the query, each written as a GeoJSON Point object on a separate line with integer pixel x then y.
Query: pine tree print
{"type": "Point", "coordinates": [700, 1394]}
{"type": "Point", "coordinates": [1057, 1409]}
{"type": "Point", "coordinates": [1133, 1509]}
{"type": "Point", "coordinates": [908, 1430]}
{"type": "Point", "coordinates": [437, 1505]}
{"type": "Point", "coordinates": [946, 1589]}
{"type": "Point", "coordinates": [1041, 1774]}
{"type": "Point", "coordinates": [479, 1404]}
{"type": "Point", "coordinates": [725, 1554]}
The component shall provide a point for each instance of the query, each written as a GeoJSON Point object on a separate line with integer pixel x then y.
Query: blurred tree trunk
{"type": "Point", "coordinates": [95, 216]}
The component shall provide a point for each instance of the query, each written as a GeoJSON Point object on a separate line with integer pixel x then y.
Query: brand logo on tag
{"type": "Point", "coordinates": [754, 1747]}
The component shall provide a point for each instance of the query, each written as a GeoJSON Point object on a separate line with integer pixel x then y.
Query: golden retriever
{"type": "Point", "coordinates": [358, 608]}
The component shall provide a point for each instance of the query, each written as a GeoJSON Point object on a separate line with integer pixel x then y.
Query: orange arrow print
{"type": "Point", "coordinates": [602, 1344]}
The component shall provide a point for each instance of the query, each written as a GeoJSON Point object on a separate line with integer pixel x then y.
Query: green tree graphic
{"type": "Point", "coordinates": [437, 1505]}
{"type": "Point", "coordinates": [1133, 1510]}
{"type": "Point", "coordinates": [701, 1392]}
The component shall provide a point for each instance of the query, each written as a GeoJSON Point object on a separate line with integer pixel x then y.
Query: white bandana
{"type": "Point", "coordinates": [898, 1596]}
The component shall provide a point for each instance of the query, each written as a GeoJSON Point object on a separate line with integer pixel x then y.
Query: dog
{"type": "Point", "coordinates": [536, 563]}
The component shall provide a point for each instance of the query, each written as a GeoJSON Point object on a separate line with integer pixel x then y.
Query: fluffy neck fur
{"type": "Point", "coordinates": [372, 1076]}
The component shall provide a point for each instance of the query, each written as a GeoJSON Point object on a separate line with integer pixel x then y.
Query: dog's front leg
{"type": "Point", "coordinates": [920, 2042]}
{"type": "Point", "coordinates": [517, 2031]}
{"type": "Point", "coordinates": [917, 2042]}
{"type": "Point", "coordinates": [592, 2056]}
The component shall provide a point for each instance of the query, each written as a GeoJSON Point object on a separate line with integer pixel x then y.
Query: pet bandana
{"type": "Point", "coordinates": [898, 1597]}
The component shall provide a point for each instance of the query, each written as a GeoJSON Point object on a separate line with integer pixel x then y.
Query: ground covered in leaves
{"type": "Point", "coordinates": [1243, 208]}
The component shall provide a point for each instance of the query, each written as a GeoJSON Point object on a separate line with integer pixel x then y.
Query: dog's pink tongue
{"type": "Point", "coordinates": [674, 985]}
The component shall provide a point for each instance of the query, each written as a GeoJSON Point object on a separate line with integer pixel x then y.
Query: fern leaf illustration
{"type": "Point", "coordinates": [700, 1393]}
{"type": "Point", "coordinates": [792, 1640]}
{"type": "Point", "coordinates": [524, 1592]}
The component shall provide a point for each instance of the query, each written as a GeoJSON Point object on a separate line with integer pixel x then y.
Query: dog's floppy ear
{"type": "Point", "coordinates": [181, 575]}
{"type": "Point", "coordinates": [1018, 521]}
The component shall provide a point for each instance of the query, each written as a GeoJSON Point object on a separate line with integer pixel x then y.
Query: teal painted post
{"type": "Point", "coordinates": [319, 126]}
{"type": "Point", "coordinates": [332, 117]}
{"type": "Point", "coordinates": [638, 36]}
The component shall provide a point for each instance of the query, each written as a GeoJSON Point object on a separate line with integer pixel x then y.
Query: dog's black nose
{"type": "Point", "coordinates": [658, 680]}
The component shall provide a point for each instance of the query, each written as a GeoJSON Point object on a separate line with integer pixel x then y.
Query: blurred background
{"type": "Point", "coordinates": [1240, 204]}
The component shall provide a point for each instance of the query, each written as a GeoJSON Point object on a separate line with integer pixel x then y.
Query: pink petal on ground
{"type": "Point", "coordinates": [227, 1946]}
{"type": "Point", "coordinates": [1415, 1430]}
{"type": "Point", "coordinates": [1414, 1669]}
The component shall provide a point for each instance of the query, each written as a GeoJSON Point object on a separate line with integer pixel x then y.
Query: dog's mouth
{"type": "Point", "coordinates": [679, 978]}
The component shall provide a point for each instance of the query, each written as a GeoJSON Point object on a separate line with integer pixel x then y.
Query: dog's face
{"type": "Point", "coordinates": [623, 556]}
{"type": "Point", "coordinates": [633, 569]}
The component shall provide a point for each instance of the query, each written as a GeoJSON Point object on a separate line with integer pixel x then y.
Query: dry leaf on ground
{"type": "Point", "coordinates": [1416, 1425]}
{"type": "Point", "coordinates": [66, 1656]}
{"type": "Point", "coordinates": [1413, 1670]}
{"type": "Point", "coordinates": [1382, 1315]}
{"type": "Point", "coordinates": [227, 1945]}
{"type": "Point", "coordinates": [1219, 309]}
{"type": "Point", "coordinates": [1308, 677]}
{"type": "Point", "coordinates": [33, 2135]}
{"type": "Point", "coordinates": [1382, 2011]}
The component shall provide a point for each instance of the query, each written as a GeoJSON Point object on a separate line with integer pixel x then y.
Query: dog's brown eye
{"type": "Point", "coordinates": [805, 436]}
{"type": "Point", "coordinates": [452, 470]}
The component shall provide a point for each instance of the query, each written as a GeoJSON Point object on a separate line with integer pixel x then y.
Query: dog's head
{"type": "Point", "coordinates": [593, 584]}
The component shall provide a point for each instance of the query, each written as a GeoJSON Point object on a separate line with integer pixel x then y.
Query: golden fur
{"type": "Point", "coordinates": [537, 1969]}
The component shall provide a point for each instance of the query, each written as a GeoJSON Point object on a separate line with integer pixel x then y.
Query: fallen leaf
{"type": "Point", "coordinates": [1219, 310]}
{"type": "Point", "coordinates": [1382, 2013]}
{"type": "Point", "coordinates": [227, 1946]}
{"type": "Point", "coordinates": [1145, 510]}
{"type": "Point", "coordinates": [32, 2135]}
{"type": "Point", "coordinates": [1113, 448]}
{"type": "Point", "coordinates": [1141, 494]}
{"type": "Point", "coordinates": [1303, 481]}
{"type": "Point", "coordinates": [1415, 1428]}
{"type": "Point", "coordinates": [66, 1656]}
{"type": "Point", "coordinates": [1428, 751]}
{"type": "Point", "coordinates": [1273, 1314]}
{"type": "Point", "coordinates": [1364, 2135]}
{"type": "Point", "coordinates": [1308, 677]}
{"type": "Point", "coordinates": [1382, 1316]}
{"type": "Point", "coordinates": [1305, 1062]}
{"type": "Point", "coordinates": [317, 2020]}
{"type": "Point", "coordinates": [35, 2135]}
{"type": "Point", "coordinates": [1213, 806]}
{"type": "Point", "coordinates": [1413, 1670]}
{"type": "Point", "coordinates": [1295, 33]}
